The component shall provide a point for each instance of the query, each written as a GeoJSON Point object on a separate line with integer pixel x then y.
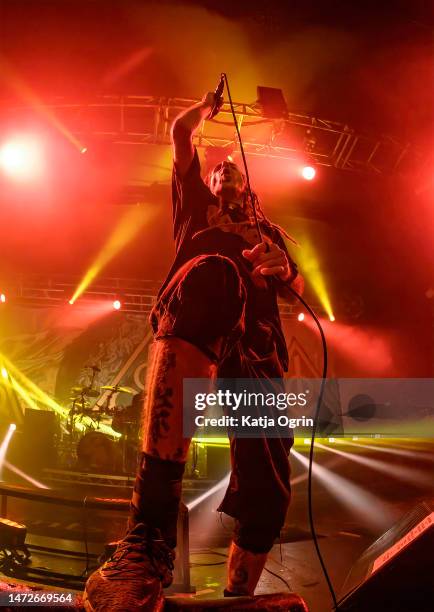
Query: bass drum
{"type": "Point", "coordinates": [97, 452]}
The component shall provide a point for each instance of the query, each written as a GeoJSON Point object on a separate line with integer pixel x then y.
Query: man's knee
{"type": "Point", "coordinates": [204, 301]}
{"type": "Point", "coordinates": [213, 277]}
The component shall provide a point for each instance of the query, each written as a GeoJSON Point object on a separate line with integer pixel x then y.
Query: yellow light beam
{"type": "Point", "coordinates": [36, 391]}
{"type": "Point", "coordinates": [310, 268]}
{"type": "Point", "coordinates": [43, 398]}
{"type": "Point", "coordinates": [13, 80]}
{"type": "Point", "coordinates": [126, 230]}
{"type": "Point", "coordinates": [23, 394]}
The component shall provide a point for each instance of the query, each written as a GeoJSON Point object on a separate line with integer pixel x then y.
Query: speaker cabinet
{"type": "Point", "coordinates": [396, 573]}
{"type": "Point", "coordinates": [38, 441]}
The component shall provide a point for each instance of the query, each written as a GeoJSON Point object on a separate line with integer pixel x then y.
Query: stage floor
{"type": "Point", "coordinates": [356, 499]}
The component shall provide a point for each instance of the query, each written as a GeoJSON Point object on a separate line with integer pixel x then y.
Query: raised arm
{"type": "Point", "coordinates": [183, 128]}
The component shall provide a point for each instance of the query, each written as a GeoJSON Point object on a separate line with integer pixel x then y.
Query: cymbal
{"type": "Point", "coordinates": [85, 391]}
{"type": "Point", "coordinates": [118, 389]}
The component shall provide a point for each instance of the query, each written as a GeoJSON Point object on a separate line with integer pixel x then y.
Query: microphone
{"type": "Point", "coordinates": [218, 97]}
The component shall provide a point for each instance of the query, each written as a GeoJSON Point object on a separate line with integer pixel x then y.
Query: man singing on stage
{"type": "Point", "coordinates": [216, 315]}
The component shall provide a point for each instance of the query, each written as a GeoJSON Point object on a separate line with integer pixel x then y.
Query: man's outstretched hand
{"type": "Point", "coordinates": [268, 260]}
{"type": "Point", "coordinates": [208, 101]}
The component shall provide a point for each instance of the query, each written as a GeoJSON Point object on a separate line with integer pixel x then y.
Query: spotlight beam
{"type": "Point", "coordinates": [392, 451]}
{"type": "Point", "coordinates": [23, 394]}
{"type": "Point", "coordinates": [4, 447]}
{"type": "Point", "coordinates": [9, 74]}
{"type": "Point", "coordinates": [25, 476]}
{"type": "Point", "coordinates": [43, 398]}
{"type": "Point", "coordinates": [303, 477]}
{"type": "Point", "coordinates": [215, 489]}
{"type": "Point", "coordinates": [126, 230]}
{"type": "Point", "coordinates": [361, 503]}
{"type": "Point", "coordinates": [33, 389]}
{"type": "Point", "coordinates": [310, 266]}
{"type": "Point", "coordinates": [404, 474]}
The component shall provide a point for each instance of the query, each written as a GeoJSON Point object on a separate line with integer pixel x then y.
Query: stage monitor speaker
{"type": "Point", "coordinates": [396, 573]}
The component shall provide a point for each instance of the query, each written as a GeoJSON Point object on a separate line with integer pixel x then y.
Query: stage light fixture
{"type": "Point", "coordinates": [300, 316]}
{"type": "Point", "coordinates": [22, 158]}
{"type": "Point", "coordinates": [2, 298]}
{"type": "Point", "coordinates": [332, 318]}
{"type": "Point", "coordinates": [12, 534]}
{"type": "Point", "coordinates": [4, 373]}
{"type": "Point", "coordinates": [83, 150]}
{"type": "Point", "coordinates": [308, 173]}
{"type": "Point", "coordinates": [272, 102]}
{"type": "Point", "coordinates": [117, 305]}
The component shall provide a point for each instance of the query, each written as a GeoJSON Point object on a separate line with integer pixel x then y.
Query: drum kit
{"type": "Point", "coordinates": [91, 444]}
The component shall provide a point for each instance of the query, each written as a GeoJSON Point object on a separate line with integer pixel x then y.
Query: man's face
{"type": "Point", "coordinates": [226, 181]}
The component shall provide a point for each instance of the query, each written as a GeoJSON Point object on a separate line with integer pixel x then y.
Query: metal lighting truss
{"type": "Point", "coordinates": [137, 296]}
{"type": "Point", "coordinates": [139, 120]}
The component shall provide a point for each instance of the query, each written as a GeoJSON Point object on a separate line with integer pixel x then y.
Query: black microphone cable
{"type": "Point", "coordinates": [312, 444]}
{"type": "Point", "coordinates": [246, 170]}
{"type": "Point", "coordinates": [324, 372]}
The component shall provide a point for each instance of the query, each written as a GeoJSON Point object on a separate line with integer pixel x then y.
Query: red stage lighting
{"type": "Point", "coordinates": [301, 316]}
{"type": "Point", "coordinates": [117, 304]}
{"type": "Point", "coordinates": [22, 158]}
{"type": "Point", "coordinates": [308, 173]}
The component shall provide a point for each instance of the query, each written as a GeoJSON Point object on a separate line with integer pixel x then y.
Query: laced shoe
{"type": "Point", "coordinates": [132, 579]}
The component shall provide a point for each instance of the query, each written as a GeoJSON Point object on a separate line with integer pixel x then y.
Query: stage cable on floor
{"type": "Point", "coordinates": [325, 361]}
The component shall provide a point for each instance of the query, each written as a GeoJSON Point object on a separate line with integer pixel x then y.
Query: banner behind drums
{"type": "Point", "coordinates": [52, 346]}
